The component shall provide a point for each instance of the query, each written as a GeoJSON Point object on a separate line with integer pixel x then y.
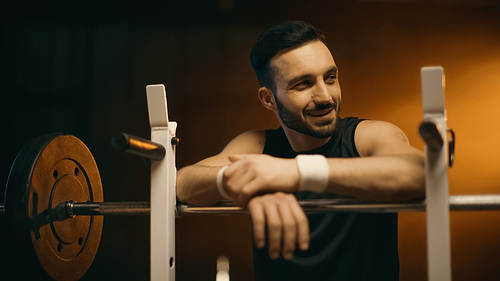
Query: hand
{"type": "Point", "coordinates": [287, 224]}
{"type": "Point", "coordinates": [256, 173]}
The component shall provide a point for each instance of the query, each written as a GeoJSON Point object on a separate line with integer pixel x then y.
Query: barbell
{"type": "Point", "coordinates": [54, 202]}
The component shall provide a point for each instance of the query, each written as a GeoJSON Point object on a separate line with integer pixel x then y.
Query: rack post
{"type": "Point", "coordinates": [436, 180]}
{"type": "Point", "coordinates": [163, 196]}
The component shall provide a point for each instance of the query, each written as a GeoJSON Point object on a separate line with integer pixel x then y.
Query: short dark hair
{"type": "Point", "coordinates": [288, 35]}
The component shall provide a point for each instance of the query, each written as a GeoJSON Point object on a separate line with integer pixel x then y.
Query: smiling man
{"type": "Point", "coordinates": [314, 154]}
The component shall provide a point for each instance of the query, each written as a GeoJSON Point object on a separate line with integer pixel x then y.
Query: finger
{"type": "Point", "coordinates": [302, 224]}
{"type": "Point", "coordinates": [236, 165]}
{"type": "Point", "coordinates": [258, 222]}
{"type": "Point", "coordinates": [274, 230]}
{"type": "Point", "coordinates": [235, 157]}
{"type": "Point", "coordinates": [249, 189]}
{"type": "Point", "coordinates": [236, 184]}
{"type": "Point", "coordinates": [289, 228]}
{"type": "Point", "coordinates": [243, 182]}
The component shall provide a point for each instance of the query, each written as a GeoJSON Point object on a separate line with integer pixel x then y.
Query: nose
{"type": "Point", "coordinates": [320, 93]}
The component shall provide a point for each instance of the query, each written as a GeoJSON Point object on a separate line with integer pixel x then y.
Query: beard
{"type": "Point", "coordinates": [295, 121]}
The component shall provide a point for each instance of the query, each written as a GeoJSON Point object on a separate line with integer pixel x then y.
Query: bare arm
{"type": "Point", "coordinates": [389, 170]}
{"type": "Point", "coordinates": [285, 220]}
{"type": "Point", "coordinates": [196, 183]}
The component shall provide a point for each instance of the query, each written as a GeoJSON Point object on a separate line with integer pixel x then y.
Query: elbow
{"type": "Point", "coordinates": [413, 190]}
{"type": "Point", "coordinates": [410, 186]}
{"type": "Point", "coordinates": [405, 180]}
{"type": "Point", "coordinates": [190, 190]}
{"type": "Point", "coordinates": [404, 186]}
{"type": "Point", "coordinates": [412, 180]}
{"type": "Point", "coordinates": [181, 197]}
{"type": "Point", "coordinates": [180, 188]}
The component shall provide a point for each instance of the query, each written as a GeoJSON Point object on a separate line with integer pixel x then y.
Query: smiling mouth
{"type": "Point", "coordinates": [319, 113]}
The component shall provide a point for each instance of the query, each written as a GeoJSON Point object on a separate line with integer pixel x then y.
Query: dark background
{"type": "Point", "coordinates": [81, 67]}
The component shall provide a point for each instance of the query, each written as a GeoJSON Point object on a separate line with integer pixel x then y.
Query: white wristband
{"type": "Point", "coordinates": [219, 180]}
{"type": "Point", "coordinates": [313, 170]}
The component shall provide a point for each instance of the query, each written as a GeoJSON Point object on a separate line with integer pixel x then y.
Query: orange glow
{"type": "Point", "coordinates": [142, 145]}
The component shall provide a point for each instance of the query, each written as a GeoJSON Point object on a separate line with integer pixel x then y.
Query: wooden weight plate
{"type": "Point", "coordinates": [49, 170]}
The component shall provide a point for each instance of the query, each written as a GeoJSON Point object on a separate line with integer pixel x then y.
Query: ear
{"type": "Point", "coordinates": [266, 97]}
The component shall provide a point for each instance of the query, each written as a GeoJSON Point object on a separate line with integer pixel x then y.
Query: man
{"type": "Point", "coordinates": [314, 154]}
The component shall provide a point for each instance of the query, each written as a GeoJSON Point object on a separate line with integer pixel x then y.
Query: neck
{"type": "Point", "coordinates": [301, 142]}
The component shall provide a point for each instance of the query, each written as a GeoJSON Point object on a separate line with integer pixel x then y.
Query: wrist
{"type": "Point", "coordinates": [313, 172]}
{"type": "Point", "coordinates": [220, 183]}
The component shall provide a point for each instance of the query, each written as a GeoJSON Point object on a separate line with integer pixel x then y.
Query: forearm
{"type": "Point", "coordinates": [196, 185]}
{"type": "Point", "coordinates": [383, 178]}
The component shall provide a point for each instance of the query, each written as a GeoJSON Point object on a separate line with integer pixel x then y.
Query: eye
{"type": "Point", "coordinates": [330, 79]}
{"type": "Point", "coordinates": [302, 85]}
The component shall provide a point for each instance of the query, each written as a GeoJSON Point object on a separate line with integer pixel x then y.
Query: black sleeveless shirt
{"type": "Point", "coordinates": [343, 246]}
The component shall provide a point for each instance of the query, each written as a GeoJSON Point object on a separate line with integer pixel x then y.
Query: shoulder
{"type": "Point", "coordinates": [379, 138]}
{"type": "Point", "coordinates": [249, 142]}
{"type": "Point", "coordinates": [377, 127]}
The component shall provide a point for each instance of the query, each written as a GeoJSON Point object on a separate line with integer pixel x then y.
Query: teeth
{"type": "Point", "coordinates": [320, 113]}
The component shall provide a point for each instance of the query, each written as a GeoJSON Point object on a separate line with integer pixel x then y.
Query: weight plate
{"type": "Point", "coordinates": [49, 170]}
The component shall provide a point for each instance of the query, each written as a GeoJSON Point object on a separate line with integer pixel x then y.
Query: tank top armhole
{"type": "Point", "coordinates": [276, 144]}
{"type": "Point", "coordinates": [353, 142]}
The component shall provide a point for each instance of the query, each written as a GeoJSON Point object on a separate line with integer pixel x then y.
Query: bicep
{"type": "Point", "coordinates": [250, 142]}
{"type": "Point", "coordinates": [378, 138]}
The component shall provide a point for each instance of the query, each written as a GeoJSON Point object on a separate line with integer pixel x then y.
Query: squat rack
{"type": "Point", "coordinates": [437, 202]}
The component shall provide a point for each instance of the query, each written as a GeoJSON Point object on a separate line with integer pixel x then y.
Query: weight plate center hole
{"type": "Point", "coordinates": [71, 184]}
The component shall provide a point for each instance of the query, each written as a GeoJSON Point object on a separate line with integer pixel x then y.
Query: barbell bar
{"type": "Point", "coordinates": [70, 208]}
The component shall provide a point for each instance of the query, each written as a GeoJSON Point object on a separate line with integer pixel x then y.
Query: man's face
{"type": "Point", "coordinates": [307, 89]}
